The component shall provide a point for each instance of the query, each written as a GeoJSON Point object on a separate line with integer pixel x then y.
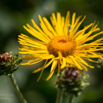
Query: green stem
{"type": "Point", "coordinates": [17, 89]}
{"type": "Point", "coordinates": [70, 98]}
{"type": "Point", "coordinates": [59, 96]}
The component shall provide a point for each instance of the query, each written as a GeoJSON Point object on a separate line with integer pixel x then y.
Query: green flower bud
{"type": "Point", "coordinates": [8, 63]}
{"type": "Point", "coordinates": [72, 80]}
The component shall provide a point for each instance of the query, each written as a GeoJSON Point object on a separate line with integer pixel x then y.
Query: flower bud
{"type": "Point", "coordinates": [72, 80]}
{"type": "Point", "coordinates": [8, 63]}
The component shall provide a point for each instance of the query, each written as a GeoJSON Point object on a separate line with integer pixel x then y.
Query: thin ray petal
{"type": "Point", "coordinates": [54, 64]}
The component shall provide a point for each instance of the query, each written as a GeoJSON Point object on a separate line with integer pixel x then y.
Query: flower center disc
{"type": "Point", "coordinates": [63, 44]}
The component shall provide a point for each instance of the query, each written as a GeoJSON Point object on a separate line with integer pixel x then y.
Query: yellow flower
{"type": "Point", "coordinates": [60, 44]}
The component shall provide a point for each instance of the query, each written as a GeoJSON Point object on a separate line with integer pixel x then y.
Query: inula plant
{"type": "Point", "coordinates": [66, 49]}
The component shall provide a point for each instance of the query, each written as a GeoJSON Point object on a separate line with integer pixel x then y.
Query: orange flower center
{"type": "Point", "coordinates": [63, 44]}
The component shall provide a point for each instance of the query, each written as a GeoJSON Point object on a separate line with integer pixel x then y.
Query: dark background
{"type": "Point", "coordinates": [16, 13]}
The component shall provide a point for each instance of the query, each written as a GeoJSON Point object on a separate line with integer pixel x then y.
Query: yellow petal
{"type": "Point", "coordinates": [63, 63]}
{"type": "Point", "coordinates": [54, 64]}
{"type": "Point", "coordinates": [76, 63]}
{"type": "Point", "coordinates": [40, 75]}
{"type": "Point", "coordinates": [46, 65]}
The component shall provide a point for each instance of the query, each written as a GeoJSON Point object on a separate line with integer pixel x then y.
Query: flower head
{"type": "Point", "coordinates": [60, 43]}
{"type": "Point", "coordinates": [72, 81]}
{"type": "Point", "coordinates": [8, 63]}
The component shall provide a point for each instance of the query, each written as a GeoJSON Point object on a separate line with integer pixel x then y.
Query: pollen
{"type": "Point", "coordinates": [63, 44]}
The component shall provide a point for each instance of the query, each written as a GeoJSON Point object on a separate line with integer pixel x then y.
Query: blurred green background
{"type": "Point", "coordinates": [16, 13]}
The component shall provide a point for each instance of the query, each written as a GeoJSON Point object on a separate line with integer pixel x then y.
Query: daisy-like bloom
{"type": "Point", "coordinates": [60, 43]}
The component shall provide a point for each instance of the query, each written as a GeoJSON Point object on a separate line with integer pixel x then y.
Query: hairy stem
{"type": "Point", "coordinates": [17, 88]}
{"type": "Point", "coordinates": [59, 96]}
{"type": "Point", "coordinates": [70, 98]}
